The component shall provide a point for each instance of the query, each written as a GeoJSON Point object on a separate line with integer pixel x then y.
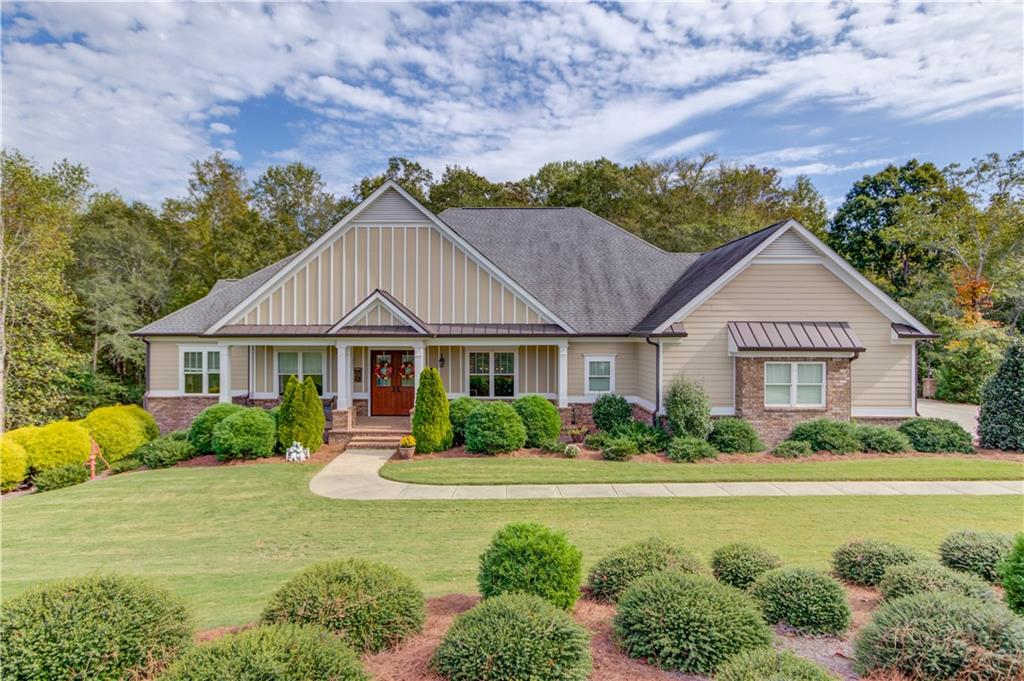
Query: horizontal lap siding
{"type": "Point", "coordinates": [163, 365]}
{"type": "Point", "coordinates": [881, 375]}
{"type": "Point", "coordinates": [626, 365]}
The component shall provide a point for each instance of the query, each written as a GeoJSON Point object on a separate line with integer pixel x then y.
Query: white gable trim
{"type": "Point", "coordinates": [314, 248]}
{"type": "Point", "coordinates": [830, 259]}
{"type": "Point", "coordinates": [376, 297]}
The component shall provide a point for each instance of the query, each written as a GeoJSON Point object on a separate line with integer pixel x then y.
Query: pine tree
{"type": "Point", "coordinates": [430, 422]}
{"type": "Point", "coordinates": [1001, 421]}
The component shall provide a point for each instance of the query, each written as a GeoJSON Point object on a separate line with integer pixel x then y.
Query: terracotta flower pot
{"type": "Point", "coordinates": [406, 452]}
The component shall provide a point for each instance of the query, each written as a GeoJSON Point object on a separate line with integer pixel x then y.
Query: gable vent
{"type": "Point", "coordinates": [789, 245]}
{"type": "Point", "coordinates": [391, 208]}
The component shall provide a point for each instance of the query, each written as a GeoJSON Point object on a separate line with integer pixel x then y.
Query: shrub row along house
{"type": "Point", "coordinates": [550, 301]}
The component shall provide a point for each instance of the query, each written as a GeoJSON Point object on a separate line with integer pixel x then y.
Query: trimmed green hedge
{"type": "Point", "coordinates": [937, 435]}
{"type": "Point", "coordinates": [826, 435]}
{"type": "Point", "coordinates": [101, 628]}
{"type": "Point", "coordinates": [431, 424]}
{"type": "Point", "coordinates": [494, 427]}
{"type": "Point", "coordinates": [975, 551]}
{"type": "Point", "coordinates": [688, 409]}
{"type": "Point", "coordinates": [13, 464]}
{"type": "Point", "coordinates": [247, 434]}
{"type": "Point", "coordinates": [685, 448]}
{"type": "Point", "coordinates": [614, 573]}
{"type": "Point", "coordinates": [740, 564]}
{"type": "Point", "coordinates": [514, 637]}
{"type": "Point", "coordinates": [58, 478]}
{"type": "Point", "coordinates": [792, 449]}
{"type": "Point", "coordinates": [647, 438]}
{"type": "Point", "coordinates": [883, 439]}
{"type": "Point", "coordinates": [807, 600]}
{"type": "Point", "coordinates": [54, 445]}
{"type": "Point", "coordinates": [277, 652]}
{"type": "Point", "coordinates": [926, 576]}
{"type": "Point", "coordinates": [149, 424]}
{"type": "Point", "coordinates": [1001, 419]}
{"type": "Point", "coordinates": [940, 636]}
{"type": "Point", "coordinates": [768, 664]}
{"type": "Point", "coordinates": [731, 435]}
{"type": "Point", "coordinates": [369, 605]}
{"type": "Point", "coordinates": [1011, 571]}
{"type": "Point", "coordinates": [699, 624]}
{"type": "Point", "coordinates": [619, 448]}
{"type": "Point", "coordinates": [200, 435]}
{"type": "Point", "coordinates": [458, 412]}
{"type": "Point", "coordinates": [117, 430]}
{"type": "Point", "coordinates": [540, 418]}
{"type": "Point", "coordinates": [533, 559]}
{"type": "Point", "coordinates": [611, 410]}
{"type": "Point", "coordinates": [163, 452]}
{"type": "Point", "coordinates": [865, 561]}
{"type": "Point", "coordinates": [127, 464]}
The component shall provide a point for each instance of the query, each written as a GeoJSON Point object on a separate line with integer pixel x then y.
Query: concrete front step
{"type": "Point", "coordinates": [372, 443]}
{"type": "Point", "coordinates": [359, 437]}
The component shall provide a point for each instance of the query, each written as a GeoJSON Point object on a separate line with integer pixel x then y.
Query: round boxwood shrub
{"type": "Point", "coordinates": [611, 575]}
{"type": "Point", "coordinates": [57, 444]}
{"type": "Point", "coordinates": [882, 439]}
{"type": "Point", "coordinates": [826, 435]}
{"type": "Point", "coordinates": [734, 435]}
{"type": "Point", "coordinates": [200, 434]}
{"type": "Point", "coordinates": [533, 559]}
{"type": "Point", "coordinates": [431, 422]}
{"type": "Point", "coordinates": [688, 408]}
{"type": "Point", "coordinates": [939, 636]}
{"type": "Point", "coordinates": [975, 551]}
{"type": "Point", "coordinates": [687, 449]}
{"type": "Point", "coordinates": [937, 435]}
{"type": "Point", "coordinates": [149, 424]}
{"type": "Point", "coordinates": [246, 434]}
{"type": "Point", "coordinates": [792, 449]}
{"type": "Point", "coordinates": [540, 417]}
{"type": "Point", "coordinates": [459, 410]}
{"type": "Point", "coordinates": [102, 627]}
{"type": "Point", "coordinates": [699, 623]}
{"type": "Point", "coordinates": [926, 576]}
{"type": "Point", "coordinates": [117, 430]}
{"type": "Point", "coordinates": [805, 599]}
{"type": "Point", "coordinates": [13, 464]}
{"type": "Point", "coordinates": [740, 564]}
{"type": "Point", "coordinates": [514, 636]}
{"type": "Point", "coordinates": [1001, 419]}
{"type": "Point", "coordinates": [276, 652]}
{"type": "Point", "coordinates": [57, 478]}
{"type": "Point", "coordinates": [864, 561]}
{"type": "Point", "coordinates": [370, 605]}
{"type": "Point", "coordinates": [1011, 572]}
{"type": "Point", "coordinates": [619, 448]}
{"type": "Point", "coordinates": [163, 452]}
{"type": "Point", "coordinates": [494, 427]}
{"type": "Point", "coordinates": [611, 410]}
{"type": "Point", "coordinates": [768, 664]}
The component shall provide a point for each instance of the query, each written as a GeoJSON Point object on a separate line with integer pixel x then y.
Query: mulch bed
{"type": "Point", "coordinates": [320, 457]}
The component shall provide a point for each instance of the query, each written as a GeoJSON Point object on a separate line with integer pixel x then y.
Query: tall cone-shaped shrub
{"type": "Point", "coordinates": [309, 426]}
{"type": "Point", "coordinates": [430, 423]}
{"type": "Point", "coordinates": [286, 414]}
{"type": "Point", "coordinates": [1001, 421]}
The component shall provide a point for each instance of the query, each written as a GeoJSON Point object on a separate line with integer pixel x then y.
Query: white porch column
{"type": "Point", "coordinates": [419, 360]}
{"type": "Point", "coordinates": [343, 378]}
{"type": "Point", "coordinates": [225, 373]}
{"type": "Point", "coordinates": [563, 374]}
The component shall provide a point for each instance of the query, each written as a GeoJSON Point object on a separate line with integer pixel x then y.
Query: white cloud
{"type": "Point", "coordinates": [133, 90]}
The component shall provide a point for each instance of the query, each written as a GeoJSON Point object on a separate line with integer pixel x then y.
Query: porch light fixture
{"type": "Point", "coordinates": [440, 362]}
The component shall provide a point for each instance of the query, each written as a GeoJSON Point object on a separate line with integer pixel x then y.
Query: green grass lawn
{"type": "Point", "coordinates": [505, 471]}
{"type": "Point", "coordinates": [227, 537]}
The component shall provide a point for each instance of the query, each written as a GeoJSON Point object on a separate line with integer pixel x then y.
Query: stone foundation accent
{"type": "Point", "coordinates": [774, 424]}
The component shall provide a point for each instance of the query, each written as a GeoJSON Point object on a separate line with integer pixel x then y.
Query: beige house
{"type": "Point", "coordinates": [550, 301]}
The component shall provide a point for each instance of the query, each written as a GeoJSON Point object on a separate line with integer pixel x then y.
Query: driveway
{"type": "Point", "coordinates": [964, 414]}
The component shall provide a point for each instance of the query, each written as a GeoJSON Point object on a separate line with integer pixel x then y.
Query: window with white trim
{"type": "Point", "coordinates": [600, 373]}
{"type": "Point", "coordinates": [201, 372]}
{"type": "Point", "coordinates": [492, 374]}
{"type": "Point", "coordinates": [301, 365]}
{"type": "Point", "coordinates": [794, 384]}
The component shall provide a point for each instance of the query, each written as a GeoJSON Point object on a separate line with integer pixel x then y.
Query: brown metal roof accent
{"type": "Point", "coordinates": [908, 331]}
{"type": "Point", "coordinates": [406, 311]}
{"type": "Point", "coordinates": [499, 330]}
{"type": "Point", "coordinates": [378, 330]}
{"type": "Point", "coordinates": [446, 330]}
{"type": "Point", "coordinates": [803, 336]}
{"type": "Point", "coordinates": [273, 330]}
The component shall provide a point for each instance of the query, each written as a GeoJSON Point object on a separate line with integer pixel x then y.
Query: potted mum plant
{"type": "Point", "coordinates": [407, 446]}
{"type": "Point", "coordinates": [577, 434]}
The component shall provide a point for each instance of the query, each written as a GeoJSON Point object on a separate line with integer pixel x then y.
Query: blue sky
{"type": "Point", "coordinates": [832, 90]}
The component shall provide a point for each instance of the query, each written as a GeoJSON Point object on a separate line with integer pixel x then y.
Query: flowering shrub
{"type": "Point", "coordinates": [407, 441]}
{"type": "Point", "coordinates": [296, 452]}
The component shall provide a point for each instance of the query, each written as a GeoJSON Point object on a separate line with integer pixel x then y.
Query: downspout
{"type": "Point", "coordinates": [657, 379]}
{"type": "Point", "coordinates": [145, 395]}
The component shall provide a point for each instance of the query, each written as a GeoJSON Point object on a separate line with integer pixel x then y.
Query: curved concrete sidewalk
{"type": "Point", "coordinates": [355, 474]}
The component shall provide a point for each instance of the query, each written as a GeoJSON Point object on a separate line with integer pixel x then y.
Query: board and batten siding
{"type": "Point", "coordinates": [409, 258]}
{"type": "Point", "coordinates": [792, 292]}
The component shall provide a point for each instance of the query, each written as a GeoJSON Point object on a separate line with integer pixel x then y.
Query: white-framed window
{"type": "Point", "coordinates": [492, 374]}
{"type": "Point", "coordinates": [794, 384]}
{"type": "Point", "coordinates": [600, 373]}
{"type": "Point", "coordinates": [200, 368]}
{"type": "Point", "coordinates": [301, 364]}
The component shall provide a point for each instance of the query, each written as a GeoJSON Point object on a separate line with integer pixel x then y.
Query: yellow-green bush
{"type": "Point", "coordinates": [22, 436]}
{"type": "Point", "coordinates": [117, 430]}
{"type": "Point", "coordinates": [13, 464]}
{"type": "Point", "coordinates": [145, 418]}
{"type": "Point", "coordinates": [57, 444]}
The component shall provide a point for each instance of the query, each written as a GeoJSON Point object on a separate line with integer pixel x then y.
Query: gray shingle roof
{"type": "Point", "coordinates": [592, 274]}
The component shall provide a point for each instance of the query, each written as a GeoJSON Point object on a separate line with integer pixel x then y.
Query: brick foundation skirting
{"type": "Point", "coordinates": [177, 413]}
{"type": "Point", "coordinates": [581, 414]}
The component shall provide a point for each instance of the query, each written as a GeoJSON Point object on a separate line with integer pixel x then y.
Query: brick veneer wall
{"type": "Point", "coordinates": [582, 414]}
{"type": "Point", "coordinates": [177, 413]}
{"type": "Point", "coordinates": [774, 424]}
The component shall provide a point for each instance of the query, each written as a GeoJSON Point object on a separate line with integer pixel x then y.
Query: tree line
{"type": "Point", "coordinates": [82, 267]}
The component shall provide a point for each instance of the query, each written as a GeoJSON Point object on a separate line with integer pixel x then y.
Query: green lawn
{"type": "Point", "coordinates": [227, 537]}
{"type": "Point", "coordinates": [505, 471]}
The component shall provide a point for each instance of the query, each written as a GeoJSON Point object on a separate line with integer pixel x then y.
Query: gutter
{"type": "Point", "coordinates": [657, 379]}
{"type": "Point", "coordinates": [147, 372]}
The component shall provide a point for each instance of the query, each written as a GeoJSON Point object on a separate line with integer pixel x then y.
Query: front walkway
{"type": "Point", "coordinates": [964, 414]}
{"type": "Point", "coordinates": [355, 474]}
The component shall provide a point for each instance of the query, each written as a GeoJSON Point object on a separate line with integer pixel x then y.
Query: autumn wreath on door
{"type": "Point", "coordinates": [408, 370]}
{"type": "Point", "coordinates": [383, 370]}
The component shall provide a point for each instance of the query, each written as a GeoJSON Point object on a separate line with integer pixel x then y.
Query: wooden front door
{"type": "Point", "coordinates": [392, 382]}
